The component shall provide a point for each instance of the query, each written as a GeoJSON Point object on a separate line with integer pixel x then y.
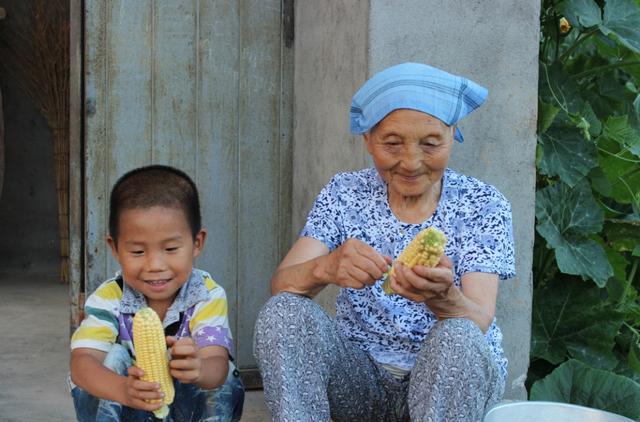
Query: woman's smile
{"type": "Point", "coordinates": [410, 178]}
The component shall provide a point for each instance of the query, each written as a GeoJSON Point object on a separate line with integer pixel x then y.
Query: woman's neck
{"type": "Point", "coordinates": [415, 209]}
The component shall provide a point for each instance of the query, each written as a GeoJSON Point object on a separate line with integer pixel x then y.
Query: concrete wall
{"type": "Point", "coordinates": [495, 46]}
{"type": "Point", "coordinates": [28, 210]}
{"type": "Point", "coordinates": [330, 64]}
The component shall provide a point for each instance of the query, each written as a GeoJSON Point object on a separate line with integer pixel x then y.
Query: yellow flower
{"type": "Point", "coordinates": [565, 26]}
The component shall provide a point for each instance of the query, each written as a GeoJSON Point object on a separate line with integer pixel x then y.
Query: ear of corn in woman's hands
{"type": "Point", "coordinates": [151, 356]}
{"type": "Point", "coordinates": [425, 249]}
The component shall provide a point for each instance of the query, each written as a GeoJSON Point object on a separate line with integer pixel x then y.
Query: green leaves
{"type": "Point", "coordinates": [574, 382]}
{"type": "Point", "coordinates": [617, 128]}
{"type": "Point", "coordinates": [586, 339]}
{"type": "Point", "coordinates": [566, 216]}
{"type": "Point", "coordinates": [585, 13]}
{"type": "Point", "coordinates": [566, 154]}
{"type": "Point", "coordinates": [571, 319]}
{"type": "Point", "coordinates": [622, 19]}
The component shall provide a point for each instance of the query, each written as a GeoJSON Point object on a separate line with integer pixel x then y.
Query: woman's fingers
{"type": "Point", "coordinates": [423, 281]}
{"type": "Point", "coordinates": [359, 264]}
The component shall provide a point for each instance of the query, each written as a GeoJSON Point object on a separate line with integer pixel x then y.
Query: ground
{"type": "Point", "coordinates": [34, 353]}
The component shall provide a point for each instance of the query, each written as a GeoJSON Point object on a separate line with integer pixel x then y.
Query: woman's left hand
{"type": "Point", "coordinates": [433, 286]}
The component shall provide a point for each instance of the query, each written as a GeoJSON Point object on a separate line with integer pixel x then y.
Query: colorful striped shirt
{"type": "Point", "coordinates": [200, 308]}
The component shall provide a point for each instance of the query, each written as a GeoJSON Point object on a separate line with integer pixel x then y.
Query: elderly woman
{"type": "Point", "coordinates": [431, 351]}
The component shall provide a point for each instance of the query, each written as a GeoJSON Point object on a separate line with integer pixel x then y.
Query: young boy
{"type": "Point", "coordinates": [155, 234]}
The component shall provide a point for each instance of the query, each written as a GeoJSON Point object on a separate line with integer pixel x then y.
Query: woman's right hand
{"type": "Point", "coordinates": [137, 391]}
{"type": "Point", "coordinates": [356, 265]}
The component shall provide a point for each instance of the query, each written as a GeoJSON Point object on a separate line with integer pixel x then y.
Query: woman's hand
{"type": "Point", "coordinates": [185, 364]}
{"type": "Point", "coordinates": [355, 264]}
{"type": "Point", "coordinates": [476, 300]}
{"type": "Point", "coordinates": [434, 286]}
{"type": "Point", "coordinates": [137, 391]}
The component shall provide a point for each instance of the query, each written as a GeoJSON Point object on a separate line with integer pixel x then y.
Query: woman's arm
{"type": "Point", "coordinates": [309, 267]}
{"type": "Point", "coordinates": [476, 300]}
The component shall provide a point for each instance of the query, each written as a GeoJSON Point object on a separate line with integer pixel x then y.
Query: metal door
{"type": "Point", "coordinates": [203, 85]}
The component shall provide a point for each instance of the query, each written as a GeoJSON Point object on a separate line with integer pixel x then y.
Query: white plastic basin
{"type": "Point", "coordinates": [545, 411]}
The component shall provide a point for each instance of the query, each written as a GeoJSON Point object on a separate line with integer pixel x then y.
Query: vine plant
{"type": "Point", "coordinates": [586, 307]}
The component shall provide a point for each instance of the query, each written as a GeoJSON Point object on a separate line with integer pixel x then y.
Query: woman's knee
{"type": "Point", "coordinates": [286, 313]}
{"type": "Point", "coordinates": [455, 343]}
{"type": "Point", "coordinates": [289, 321]}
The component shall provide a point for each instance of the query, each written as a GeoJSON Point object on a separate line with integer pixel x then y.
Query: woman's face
{"type": "Point", "coordinates": [410, 149]}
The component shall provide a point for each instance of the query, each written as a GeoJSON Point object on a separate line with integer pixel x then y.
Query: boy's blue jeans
{"type": "Point", "coordinates": [223, 404]}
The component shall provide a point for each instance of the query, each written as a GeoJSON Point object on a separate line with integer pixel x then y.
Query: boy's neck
{"type": "Point", "coordinates": [161, 306]}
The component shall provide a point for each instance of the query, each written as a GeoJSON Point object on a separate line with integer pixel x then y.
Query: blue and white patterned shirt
{"type": "Point", "coordinates": [474, 216]}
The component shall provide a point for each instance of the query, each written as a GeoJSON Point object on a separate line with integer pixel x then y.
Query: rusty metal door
{"type": "Point", "coordinates": [203, 85]}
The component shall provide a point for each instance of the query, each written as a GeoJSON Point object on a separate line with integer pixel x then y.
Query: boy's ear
{"type": "Point", "coordinates": [198, 242]}
{"type": "Point", "coordinates": [112, 246]}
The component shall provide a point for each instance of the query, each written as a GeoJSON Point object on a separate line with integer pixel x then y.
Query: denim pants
{"type": "Point", "coordinates": [191, 403]}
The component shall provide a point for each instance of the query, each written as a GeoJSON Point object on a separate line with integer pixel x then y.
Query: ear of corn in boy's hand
{"type": "Point", "coordinates": [425, 249]}
{"type": "Point", "coordinates": [151, 356]}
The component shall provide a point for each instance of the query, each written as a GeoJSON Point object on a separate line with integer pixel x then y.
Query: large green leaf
{"type": "Point", "coordinates": [617, 128]}
{"type": "Point", "coordinates": [563, 210]}
{"type": "Point", "coordinates": [584, 257]}
{"type": "Point", "coordinates": [622, 19]}
{"type": "Point", "coordinates": [576, 383]}
{"type": "Point", "coordinates": [569, 318]}
{"type": "Point", "coordinates": [585, 13]}
{"type": "Point", "coordinates": [566, 216]}
{"type": "Point", "coordinates": [621, 168]}
{"type": "Point", "coordinates": [565, 153]}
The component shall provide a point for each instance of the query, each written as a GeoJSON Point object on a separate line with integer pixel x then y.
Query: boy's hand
{"type": "Point", "coordinates": [185, 364]}
{"type": "Point", "coordinates": [137, 391]}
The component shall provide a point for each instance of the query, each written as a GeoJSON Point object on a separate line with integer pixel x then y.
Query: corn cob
{"type": "Point", "coordinates": [425, 249]}
{"type": "Point", "coordinates": [151, 355]}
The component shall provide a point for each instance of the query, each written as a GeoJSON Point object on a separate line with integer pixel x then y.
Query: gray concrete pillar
{"type": "Point", "coordinates": [340, 43]}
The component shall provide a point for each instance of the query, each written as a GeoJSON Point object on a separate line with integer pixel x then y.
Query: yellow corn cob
{"type": "Point", "coordinates": [151, 355]}
{"type": "Point", "coordinates": [425, 249]}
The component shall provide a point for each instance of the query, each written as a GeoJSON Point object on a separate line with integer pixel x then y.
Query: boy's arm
{"type": "Point", "coordinates": [206, 367]}
{"type": "Point", "coordinates": [88, 373]}
{"type": "Point", "coordinates": [215, 366]}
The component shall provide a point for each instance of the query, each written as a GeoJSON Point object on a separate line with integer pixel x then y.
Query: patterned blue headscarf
{"type": "Point", "coordinates": [418, 87]}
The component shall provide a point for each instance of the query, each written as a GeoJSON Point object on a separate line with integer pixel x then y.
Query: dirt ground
{"type": "Point", "coordinates": [34, 353]}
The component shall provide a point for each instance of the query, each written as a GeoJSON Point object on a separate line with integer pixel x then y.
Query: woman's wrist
{"type": "Point", "coordinates": [457, 305]}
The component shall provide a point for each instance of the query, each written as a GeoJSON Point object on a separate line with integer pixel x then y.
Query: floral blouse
{"type": "Point", "coordinates": [474, 216]}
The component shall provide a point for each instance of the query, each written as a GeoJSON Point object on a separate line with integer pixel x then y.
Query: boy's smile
{"type": "Point", "coordinates": [155, 249]}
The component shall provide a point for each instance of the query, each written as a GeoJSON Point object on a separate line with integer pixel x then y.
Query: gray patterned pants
{"type": "Point", "coordinates": [311, 372]}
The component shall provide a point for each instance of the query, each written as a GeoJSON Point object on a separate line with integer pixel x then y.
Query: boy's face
{"type": "Point", "coordinates": [156, 250]}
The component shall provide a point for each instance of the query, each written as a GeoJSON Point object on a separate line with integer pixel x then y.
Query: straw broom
{"type": "Point", "coordinates": [34, 49]}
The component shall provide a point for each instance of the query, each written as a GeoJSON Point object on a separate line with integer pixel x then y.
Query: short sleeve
{"type": "Point", "coordinates": [99, 329]}
{"type": "Point", "coordinates": [488, 240]}
{"type": "Point", "coordinates": [324, 221]}
{"type": "Point", "coordinates": [209, 324]}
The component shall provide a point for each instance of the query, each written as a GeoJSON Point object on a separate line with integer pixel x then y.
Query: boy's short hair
{"type": "Point", "coordinates": [154, 185]}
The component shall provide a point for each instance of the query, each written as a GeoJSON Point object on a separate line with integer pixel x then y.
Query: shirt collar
{"type": "Point", "coordinates": [191, 292]}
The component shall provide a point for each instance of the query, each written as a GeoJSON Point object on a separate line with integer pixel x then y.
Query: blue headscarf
{"type": "Point", "coordinates": [418, 87]}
